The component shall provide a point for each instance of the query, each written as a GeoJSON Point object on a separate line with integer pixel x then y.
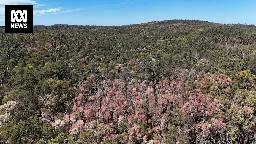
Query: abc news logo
{"type": "Point", "coordinates": [18, 18]}
{"type": "Point", "coordinates": [19, 22]}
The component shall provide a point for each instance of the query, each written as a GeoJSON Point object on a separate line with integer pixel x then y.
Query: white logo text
{"type": "Point", "coordinates": [19, 19]}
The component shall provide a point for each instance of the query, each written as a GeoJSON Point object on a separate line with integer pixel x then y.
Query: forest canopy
{"type": "Point", "coordinates": [170, 81]}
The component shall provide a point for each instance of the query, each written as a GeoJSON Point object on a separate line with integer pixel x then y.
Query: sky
{"type": "Point", "coordinates": [124, 12]}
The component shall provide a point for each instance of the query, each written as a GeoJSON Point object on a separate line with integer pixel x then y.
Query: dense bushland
{"type": "Point", "coordinates": [173, 81]}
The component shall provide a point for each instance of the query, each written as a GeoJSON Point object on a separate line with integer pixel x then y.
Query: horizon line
{"type": "Point", "coordinates": [149, 22]}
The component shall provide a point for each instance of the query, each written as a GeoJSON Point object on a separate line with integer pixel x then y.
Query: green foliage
{"type": "Point", "coordinates": [62, 138]}
{"type": "Point", "coordinates": [41, 72]}
{"type": "Point", "coordinates": [23, 132]}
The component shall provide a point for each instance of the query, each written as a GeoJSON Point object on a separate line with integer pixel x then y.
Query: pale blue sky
{"type": "Point", "coordinates": [122, 12]}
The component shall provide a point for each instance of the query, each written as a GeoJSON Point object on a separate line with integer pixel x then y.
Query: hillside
{"type": "Point", "coordinates": [170, 81]}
